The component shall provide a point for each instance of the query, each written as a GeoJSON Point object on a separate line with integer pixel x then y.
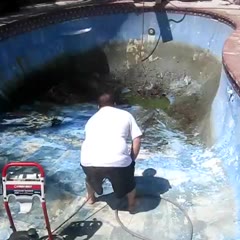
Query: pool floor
{"type": "Point", "coordinates": [171, 164]}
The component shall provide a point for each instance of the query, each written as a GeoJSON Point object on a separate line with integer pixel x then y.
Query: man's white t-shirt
{"type": "Point", "coordinates": [106, 135]}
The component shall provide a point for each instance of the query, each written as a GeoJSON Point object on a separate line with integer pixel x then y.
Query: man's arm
{"type": "Point", "coordinates": [136, 144]}
{"type": "Point", "coordinates": [136, 134]}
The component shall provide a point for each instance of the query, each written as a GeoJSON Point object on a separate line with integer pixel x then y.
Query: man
{"type": "Point", "coordinates": [105, 152]}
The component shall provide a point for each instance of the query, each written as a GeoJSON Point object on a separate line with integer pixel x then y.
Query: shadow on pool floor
{"type": "Point", "coordinates": [78, 229]}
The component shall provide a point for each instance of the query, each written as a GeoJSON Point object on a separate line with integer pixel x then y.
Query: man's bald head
{"type": "Point", "coordinates": [106, 99]}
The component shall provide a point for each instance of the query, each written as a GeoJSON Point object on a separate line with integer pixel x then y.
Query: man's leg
{"type": "Point", "coordinates": [90, 194]}
{"type": "Point", "coordinates": [131, 200]}
{"type": "Point", "coordinates": [93, 182]}
{"type": "Point", "coordinates": [123, 182]}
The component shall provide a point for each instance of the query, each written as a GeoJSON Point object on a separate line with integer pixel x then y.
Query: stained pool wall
{"type": "Point", "coordinates": [23, 53]}
{"type": "Point", "coordinates": [225, 121]}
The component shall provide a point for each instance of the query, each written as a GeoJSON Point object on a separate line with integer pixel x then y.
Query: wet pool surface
{"type": "Point", "coordinates": [171, 163]}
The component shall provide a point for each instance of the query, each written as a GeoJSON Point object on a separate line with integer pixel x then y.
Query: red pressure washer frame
{"type": "Point", "coordinates": [16, 185]}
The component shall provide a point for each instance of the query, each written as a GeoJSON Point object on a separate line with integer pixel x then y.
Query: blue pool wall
{"type": "Point", "coordinates": [38, 47]}
{"type": "Point", "coordinates": [225, 126]}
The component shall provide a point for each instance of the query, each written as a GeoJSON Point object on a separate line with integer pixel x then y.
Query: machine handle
{"type": "Point", "coordinates": [23, 164]}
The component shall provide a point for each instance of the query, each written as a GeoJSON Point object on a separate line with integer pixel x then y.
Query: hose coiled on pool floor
{"type": "Point", "coordinates": [135, 234]}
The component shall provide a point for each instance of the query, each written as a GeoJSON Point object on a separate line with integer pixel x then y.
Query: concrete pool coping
{"type": "Point", "coordinates": [40, 15]}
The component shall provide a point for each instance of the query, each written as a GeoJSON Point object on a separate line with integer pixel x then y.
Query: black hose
{"type": "Point", "coordinates": [135, 234]}
{"type": "Point", "coordinates": [58, 237]}
{"type": "Point", "coordinates": [67, 220]}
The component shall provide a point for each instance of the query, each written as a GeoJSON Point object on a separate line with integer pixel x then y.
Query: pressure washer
{"type": "Point", "coordinates": [24, 187]}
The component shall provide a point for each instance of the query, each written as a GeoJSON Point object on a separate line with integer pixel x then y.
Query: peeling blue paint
{"type": "Point", "coordinates": [198, 175]}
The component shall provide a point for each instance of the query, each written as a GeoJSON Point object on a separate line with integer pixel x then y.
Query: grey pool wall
{"type": "Point", "coordinates": [40, 46]}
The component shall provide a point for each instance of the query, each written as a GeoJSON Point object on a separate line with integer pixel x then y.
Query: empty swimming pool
{"type": "Point", "coordinates": [166, 68]}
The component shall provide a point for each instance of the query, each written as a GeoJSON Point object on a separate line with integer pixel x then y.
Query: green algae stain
{"type": "Point", "coordinates": [159, 102]}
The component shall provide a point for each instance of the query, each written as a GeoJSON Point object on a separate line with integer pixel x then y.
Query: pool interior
{"type": "Point", "coordinates": [170, 94]}
{"type": "Point", "coordinates": [174, 159]}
